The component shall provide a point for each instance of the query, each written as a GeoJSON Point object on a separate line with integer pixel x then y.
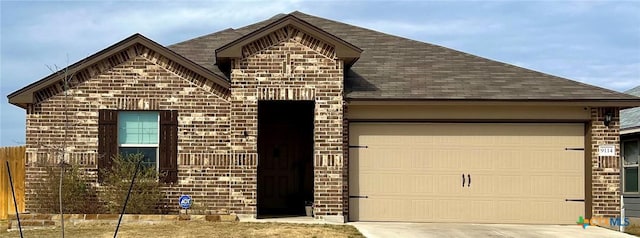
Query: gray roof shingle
{"type": "Point", "coordinates": [392, 67]}
{"type": "Point", "coordinates": [630, 118]}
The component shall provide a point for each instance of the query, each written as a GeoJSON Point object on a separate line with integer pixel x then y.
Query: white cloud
{"type": "Point", "coordinates": [616, 76]}
{"type": "Point", "coordinates": [619, 77]}
{"type": "Point", "coordinates": [152, 19]}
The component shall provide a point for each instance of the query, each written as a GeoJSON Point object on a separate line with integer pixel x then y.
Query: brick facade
{"type": "Point", "coordinates": [218, 127]}
{"type": "Point", "coordinates": [146, 81]}
{"type": "Point", "coordinates": [217, 131]}
{"type": "Point", "coordinates": [605, 170]}
{"type": "Point", "coordinates": [293, 67]}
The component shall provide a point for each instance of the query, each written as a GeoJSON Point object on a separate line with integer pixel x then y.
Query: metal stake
{"type": "Point", "coordinates": [15, 202]}
{"type": "Point", "coordinates": [127, 199]}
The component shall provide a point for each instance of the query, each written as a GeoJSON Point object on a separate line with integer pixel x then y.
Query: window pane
{"type": "Point", "coordinates": [149, 154]}
{"type": "Point", "coordinates": [631, 179]}
{"type": "Point", "coordinates": [138, 127]}
{"type": "Point", "coordinates": [631, 152]}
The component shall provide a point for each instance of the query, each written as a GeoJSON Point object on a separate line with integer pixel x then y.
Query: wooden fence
{"type": "Point", "coordinates": [16, 157]}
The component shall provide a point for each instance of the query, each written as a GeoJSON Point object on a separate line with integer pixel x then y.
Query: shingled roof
{"type": "Point", "coordinates": [630, 118]}
{"type": "Point", "coordinates": [392, 67]}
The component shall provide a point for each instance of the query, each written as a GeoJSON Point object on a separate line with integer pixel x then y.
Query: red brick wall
{"type": "Point", "coordinates": [605, 170]}
{"type": "Point", "coordinates": [296, 68]}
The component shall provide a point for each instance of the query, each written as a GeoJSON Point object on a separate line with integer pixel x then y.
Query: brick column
{"type": "Point", "coordinates": [605, 170]}
{"type": "Point", "coordinates": [292, 68]}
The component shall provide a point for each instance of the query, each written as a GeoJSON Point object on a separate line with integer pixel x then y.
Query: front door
{"type": "Point", "coordinates": [285, 152]}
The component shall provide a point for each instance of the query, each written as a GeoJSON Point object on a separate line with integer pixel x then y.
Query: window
{"type": "Point", "coordinates": [152, 133]}
{"type": "Point", "coordinates": [138, 132]}
{"type": "Point", "coordinates": [630, 156]}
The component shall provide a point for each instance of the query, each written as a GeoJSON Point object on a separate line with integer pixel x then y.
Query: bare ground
{"type": "Point", "coordinates": [196, 229]}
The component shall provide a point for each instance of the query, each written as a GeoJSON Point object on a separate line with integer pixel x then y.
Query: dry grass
{"type": "Point", "coordinates": [197, 229]}
{"type": "Point", "coordinates": [633, 229]}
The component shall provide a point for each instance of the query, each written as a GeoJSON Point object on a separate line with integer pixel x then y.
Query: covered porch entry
{"type": "Point", "coordinates": [285, 157]}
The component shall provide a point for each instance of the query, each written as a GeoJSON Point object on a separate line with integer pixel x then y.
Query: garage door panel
{"type": "Point", "coordinates": [520, 173]}
{"type": "Point", "coordinates": [422, 208]}
{"type": "Point", "coordinates": [452, 209]}
{"type": "Point", "coordinates": [406, 185]}
{"type": "Point", "coordinates": [422, 184]}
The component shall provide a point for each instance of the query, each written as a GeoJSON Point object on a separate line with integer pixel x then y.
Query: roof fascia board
{"type": "Point", "coordinates": [24, 95]}
{"type": "Point", "coordinates": [631, 130]}
{"type": "Point", "coordinates": [588, 103]}
{"type": "Point", "coordinates": [46, 81]}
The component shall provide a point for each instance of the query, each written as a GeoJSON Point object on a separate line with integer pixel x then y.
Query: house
{"type": "Point", "coordinates": [630, 152]}
{"type": "Point", "coordinates": [368, 126]}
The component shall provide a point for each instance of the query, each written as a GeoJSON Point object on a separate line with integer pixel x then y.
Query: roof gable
{"type": "Point", "coordinates": [344, 50]}
{"type": "Point", "coordinates": [91, 65]}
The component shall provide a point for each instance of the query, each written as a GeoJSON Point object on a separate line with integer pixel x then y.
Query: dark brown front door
{"type": "Point", "coordinates": [285, 154]}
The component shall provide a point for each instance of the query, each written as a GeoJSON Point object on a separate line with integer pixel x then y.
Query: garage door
{"type": "Point", "coordinates": [470, 172]}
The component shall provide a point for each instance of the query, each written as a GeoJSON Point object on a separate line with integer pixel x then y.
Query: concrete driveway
{"type": "Point", "coordinates": [425, 230]}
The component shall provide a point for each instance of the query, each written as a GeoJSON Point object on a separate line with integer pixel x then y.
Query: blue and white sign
{"type": "Point", "coordinates": [185, 201]}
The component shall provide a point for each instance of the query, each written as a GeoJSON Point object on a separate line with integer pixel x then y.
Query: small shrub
{"type": "Point", "coordinates": [197, 208]}
{"type": "Point", "coordinates": [146, 193]}
{"type": "Point", "coordinates": [77, 195]}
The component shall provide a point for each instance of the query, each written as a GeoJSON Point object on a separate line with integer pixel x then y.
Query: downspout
{"type": "Point", "coordinates": [621, 211]}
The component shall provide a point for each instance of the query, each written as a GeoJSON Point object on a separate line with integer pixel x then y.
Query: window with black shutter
{"type": "Point", "coordinates": [168, 164]}
{"type": "Point", "coordinates": [154, 134]}
{"type": "Point", "coordinates": [139, 133]}
{"type": "Point", "coordinates": [107, 140]}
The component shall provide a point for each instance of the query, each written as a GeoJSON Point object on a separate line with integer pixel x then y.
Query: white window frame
{"type": "Point", "coordinates": [157, 146]}
{"type": "Point", "coordinates": [624, 166]}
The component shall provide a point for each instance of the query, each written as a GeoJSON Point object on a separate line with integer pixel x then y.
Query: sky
{"type": "Point", "coordinates": [594, 42]}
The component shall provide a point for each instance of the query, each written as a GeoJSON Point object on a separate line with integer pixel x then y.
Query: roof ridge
{"type": "Point", "coordinates": [202, 36]}
{"type": "Point", "coordinates": [259, 24]}
{"type": "Point", "coordinates": [359, 27]}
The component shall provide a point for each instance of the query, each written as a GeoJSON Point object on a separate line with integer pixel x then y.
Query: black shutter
{"type": "Point", "coordinates": [107, 140]}
{"type": "Point", "coordinates": [168, 146]}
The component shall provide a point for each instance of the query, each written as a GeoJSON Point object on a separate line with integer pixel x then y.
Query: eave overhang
{"type": "Point", "coordinates": [621, 103]}
{"type": "Point", "coordinates": [25, 96]}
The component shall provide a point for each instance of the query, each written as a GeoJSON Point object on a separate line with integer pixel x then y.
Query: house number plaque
{"type": "Point", "coordinates": [606, 150]}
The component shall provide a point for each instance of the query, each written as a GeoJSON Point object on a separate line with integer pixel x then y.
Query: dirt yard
{"type": "Point", "coordinates": [633, 229]}
{"type": "Point", "coordinates": [196, 229]}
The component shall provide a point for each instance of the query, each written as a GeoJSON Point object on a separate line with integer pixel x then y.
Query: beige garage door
{"type": "Point", "coordinates": [471, 172]}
